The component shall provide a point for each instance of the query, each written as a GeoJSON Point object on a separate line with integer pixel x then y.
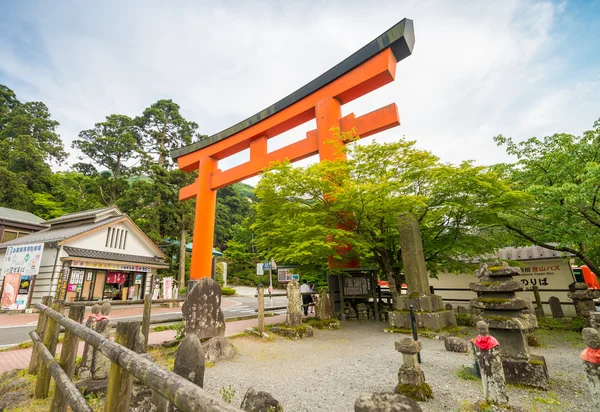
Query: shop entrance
{"type": "Point", "coordinates": [124, 285]}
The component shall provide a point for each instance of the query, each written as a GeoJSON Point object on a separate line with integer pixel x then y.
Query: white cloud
{"type": "Point", "coordinates": [478, 68]}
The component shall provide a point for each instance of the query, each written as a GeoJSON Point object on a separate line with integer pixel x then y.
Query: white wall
{"type": "Point", "coordinates": [558, 275]}
{"type": "Point", "coordinates": [136, 244]}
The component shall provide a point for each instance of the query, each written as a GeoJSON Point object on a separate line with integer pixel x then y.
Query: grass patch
{"type": "Point", "coordinates": [465, 374]}
{"type": "Point", "coordinates": [557, 337]}
{"type": "Point", "coordinates": [464, 319]}
{"type": "Point", "coordinates": [164, 357]}
{"type": "Point", "coordinates": [329, 324]}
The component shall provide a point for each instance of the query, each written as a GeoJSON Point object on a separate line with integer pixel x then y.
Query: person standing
{"type": "Point", "coordinates": [305, 298]}
{"type": "Point", "coordinates": [311, 309]}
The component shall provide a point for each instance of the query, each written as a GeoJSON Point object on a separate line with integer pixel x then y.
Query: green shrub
{"type": "Point", "coordinates": [464, 319]}
{"type": "Point", "coordinates": [228, 291]}
{"type": "Point", "coordinates": [179, 328]}
{"type": "Point", "coordinates": [227, 393]}
{"type": "Point", "coordinates": [183, 291]}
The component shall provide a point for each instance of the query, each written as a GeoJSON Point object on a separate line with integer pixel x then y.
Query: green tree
{"type": "Point", "coordinates": [114, 144]}
{"type": "Point", "coordinates": [233, 206]}
{"type": "Point", "coordinates": [561, 175]}
{"type": "Point", "coordinates": [28, 143]}
{"type": "Point", "coordinates": [164, 129]}
{"type": "Point", "coordinates": [364, 196]}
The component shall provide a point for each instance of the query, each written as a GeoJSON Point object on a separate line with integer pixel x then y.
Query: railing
{"type": "Point", "coordinates": [122, 302]}
{"type": "Point", "coordinates": [126, 364]}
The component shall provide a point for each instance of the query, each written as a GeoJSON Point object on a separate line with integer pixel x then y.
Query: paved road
{"type": "Point", "coordinates": [244, 306]}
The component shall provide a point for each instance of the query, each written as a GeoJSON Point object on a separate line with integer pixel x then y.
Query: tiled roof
{"type": "Point", "coordinates": [529, 253]}
{"type": "Point", "coordinates": [119, 257]}
{"type": "Point", "coordinates": [81, 215]}
{"type": "Point", "coordinates": [19, 216]}
{"type": "Point", "coordinates": [57, 234]}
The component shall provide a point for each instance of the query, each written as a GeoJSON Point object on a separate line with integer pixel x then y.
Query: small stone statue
{"type": "Point", "coordinates": [84, 371]}
{"type": "Point", "coordinates": [490, 364]}
{"type": "Point", "coordinates": [591, 363]}
{"type": "Point", "coordinates": [100, 363]}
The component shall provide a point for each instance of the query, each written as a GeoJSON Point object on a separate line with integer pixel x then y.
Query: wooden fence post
{"type": "Point", "coordinates": [539, 309]}
{"type": "Point", "coordinates": [34, 363]}
{"type": "Point", "coordinates": [68, 354]}
{"type": "Point", "coordinates": [120, 382]}
{"type": "Point", "coordinates": [50, 341]}
{"type": "Point", "coordinates": [261, 309]}
{"type": "Point", "coordinates": [146, 319]}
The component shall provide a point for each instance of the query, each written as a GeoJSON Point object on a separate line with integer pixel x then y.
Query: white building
{"type": "Point", "coordinates": [90, 255]}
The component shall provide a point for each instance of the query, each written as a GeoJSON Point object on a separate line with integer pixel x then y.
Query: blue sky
{"type": "Point", "coordinates": [518, 68]}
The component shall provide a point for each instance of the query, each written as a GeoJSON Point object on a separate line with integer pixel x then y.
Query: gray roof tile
{"type": "Point", "coordinates": [81, 215]}
{"type": "Point", "coordinates": [57, 234]}
{"type": "Point", "coordinates": [19, 216]}
{"type": "Point", "coordinates": [119, 257]}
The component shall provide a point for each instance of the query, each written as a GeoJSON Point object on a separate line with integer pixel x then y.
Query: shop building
{"type": "Point", "coordinates": [91, 255]}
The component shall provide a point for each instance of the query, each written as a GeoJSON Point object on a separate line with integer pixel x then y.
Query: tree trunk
{"type": "Point", "coordinates": [182, 259]}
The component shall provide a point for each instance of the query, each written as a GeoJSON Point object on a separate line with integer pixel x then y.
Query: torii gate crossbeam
{"type": "Point", "coordinates": [366, 70]}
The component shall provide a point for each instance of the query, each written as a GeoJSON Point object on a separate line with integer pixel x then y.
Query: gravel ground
{"type": "Point", "coordinates": [331, 370]}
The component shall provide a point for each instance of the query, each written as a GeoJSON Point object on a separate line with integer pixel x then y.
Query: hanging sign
{"type": "Point", "coordinates": [168, 288]}
{"type": "Point", "coordinates": [113, 266]}
{"type": "Point", "coordinates": [21, 263]}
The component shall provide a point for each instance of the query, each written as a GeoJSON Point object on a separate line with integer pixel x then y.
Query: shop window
{"type": "Point", "coordinates": [7, 235]}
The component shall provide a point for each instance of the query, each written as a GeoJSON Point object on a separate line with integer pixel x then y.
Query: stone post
{"type": "Point", "coordinates": [591, 363]}
{"type": "Point", "coordinates": [556, 307]}
{"type": "Point", "coordinates": [508, 317]}
{"type": "Point", "coordinates": [429, 309]}
{"type": "Point", "coordinates": [411, 379]}
{"type": "Point", "coordinates": [412, 254]}
{"type": "Point", "coordinates": [490, 365]}
{"type": "Point", "coordinates": [294, 312]}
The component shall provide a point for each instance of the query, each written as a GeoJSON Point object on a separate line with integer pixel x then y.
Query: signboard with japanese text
{"type": "Point", "coordinates": [259, 269]}
{"type": "Point", "coordinates": [113, 266]}
{"type": "Point", "coordinates": [546, 274]}
{"type": "Point", "coordinates": [21, 264]}
{"type": "Point", "coordinates": [24, 260]}
{"type": "Point", "coordinates": [286, 275]}
{"type": "Point", "coordinates": [168, 288]}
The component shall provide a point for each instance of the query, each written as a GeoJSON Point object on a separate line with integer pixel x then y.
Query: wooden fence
{"type": "Point", "coordinates": [125, 365]}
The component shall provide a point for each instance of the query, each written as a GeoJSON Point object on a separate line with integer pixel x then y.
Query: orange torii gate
{"type": "Point", "coordinates": [366, 70]}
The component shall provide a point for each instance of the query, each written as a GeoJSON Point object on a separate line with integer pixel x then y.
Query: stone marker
{"type": "Point", "coordinates": [294, 312]}
{"type": "Point", "coordinates": [509, 317]}
{"type": "Point", "coordinates": [490, 365]}
{"type": "Point", "coordinates": [259, 401]}
{"type": "Point", "coordinates": [556, 307]}
{"type": "Point", "coordinates": [100, 363]}
{"type": "Point", "coordinates": [411, 379]}
{"type": "Point", "coordinates": [201, 310]}
{"type": "Point", "coordinates": [429, 309]}
{"type": "Point", "coordinates": [189, 361]}
{"type": "Point", "coordinates": [455, 344]}
{"type": "Point", "coordinates": [84, 369]}
{"type": "Point", "coordinates": [386, 402]}
{"type": "Point", "coordinates": [591, 363]}
{"type": "Point", "coordinates": [323, 306]}
{"type": "Point", "coordinates": [448, 306]}
{"type": "Point", "coordinates": [217, 348]}
{"type": "Point", "coordinates": [583, 299]}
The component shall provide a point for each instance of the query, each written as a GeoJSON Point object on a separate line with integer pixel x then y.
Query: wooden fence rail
{"type": "Point", "coordinates": [74, 398]}
{"type": "Point", "coordinates": [122, 302]}
{"type": "Point", "coordinates": [179, 391]}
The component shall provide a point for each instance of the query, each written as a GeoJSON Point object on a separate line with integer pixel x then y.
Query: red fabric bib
{"type": "Point", "coordinates": [590, 355]}
{"type": "Point", "coordinates": [486, 342]}
{"type": "Point", "coordinates": [98, 318]}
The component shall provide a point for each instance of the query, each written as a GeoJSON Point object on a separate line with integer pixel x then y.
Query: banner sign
{"type": "Point", "coordinates": [24, 260]}
{"type": "Point", "coordinates": [113, 266]}
{"type": "Point", "coordinates": [21, 264]}
{"type": "Point", "coordinates": [168, 288]}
